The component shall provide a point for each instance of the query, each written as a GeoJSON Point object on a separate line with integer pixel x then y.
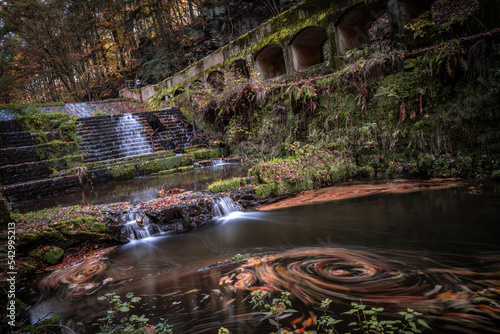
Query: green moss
{"type": "Point", "coordinates": [158, 165]}
{"type": "Point", "coordinates": [165, 172]}
{"type": "Point", "coordinates": [185, 169]}
{"type": "Point", "coordinates": [56, 149]}
{"type": "Point", "coordinates": [48, 254]}
{"type": "Point", "coordinates": [231, 184]}
{"type": "Point", "coordinates": [121, 172]}
{"type": "Point", "coordinates": [207, 154]}
{"type": "Point", "coordinates": [265, 190]}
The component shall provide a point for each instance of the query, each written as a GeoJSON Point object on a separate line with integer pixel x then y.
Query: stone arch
{"type": "Point", "coordinates": [307, 47]}
{"type": "Point", "coordinates": [271, 61]}
{"type": "Point", "coordinates": [353, 26]}
{"type": "Point", "coordinates": [216, 79]}
{"type": "Point", "coordinates": [178, 91]}
{"type": "Point", "coordinates": [241, 68]}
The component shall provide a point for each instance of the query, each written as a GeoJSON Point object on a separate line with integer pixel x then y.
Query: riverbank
{"type": "Point", "coordinates": [355, 189]}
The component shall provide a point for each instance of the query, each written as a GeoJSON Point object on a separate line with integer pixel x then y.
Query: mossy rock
{"type": "Point", "coordinates": [185, 169]}
{"type": "Point", "coordinates": [122, 172]}
{"type": "Point", "coordinates": [48, 254]}
{"type": "Point", "coordinates": [207, 154]}
{"type": "Point", "coordinates": [231, 184]}
{"type": "Point", "coordinates": [158, 165]}
{"type": "Point", "coordinates": [42, 237]}
{"type": "Point", "coordinates": [165, 172]}
{"type": "Point", "coordinates": [265, 190]}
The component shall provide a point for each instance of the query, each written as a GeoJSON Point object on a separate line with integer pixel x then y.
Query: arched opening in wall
{"type": "Point", "coordinates": [240, 68]}
{"type": "Point", "coordinates": [307, 47]}
{"type": "Point", "coordinates": [411, 9]}
{"type": "Point", "coordinates": [178, 91]}
{"type": "Point", "coordinates": [353, 27]}
{"type": "Point", "coordinates": [216, 80]}
{"type": "Point", "coordinates": [271, 61]}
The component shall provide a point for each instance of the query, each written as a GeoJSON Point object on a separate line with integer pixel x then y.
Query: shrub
{"type": "Point", "coordinates": [365, 171]}
{"type": "Point", "coordinates": [308, 170]}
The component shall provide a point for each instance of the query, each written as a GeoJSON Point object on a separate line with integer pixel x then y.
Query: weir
{"type": "Point", "coordinates": [132, 141]}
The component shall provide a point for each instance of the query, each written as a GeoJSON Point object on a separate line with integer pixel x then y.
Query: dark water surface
{"type": "Point", "coordinates": [137, 190]}
{"type": "Point", "coordinates": [437, 252]}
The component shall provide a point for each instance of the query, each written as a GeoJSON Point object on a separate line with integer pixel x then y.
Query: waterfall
{"type": "Point", "coordinates": [224, 206]}
{"type": "Point", "coordinates": [132, 141]}
{"type": "Point", "coordinates": [217, 162]}
{"type": "Point", "coordinates": [136, 232]}
{"type": "Point", "coordinates": [137, 227]}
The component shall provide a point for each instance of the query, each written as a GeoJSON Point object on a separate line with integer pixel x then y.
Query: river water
{"type": "Point", "coordinates": [136, 190]}
{"type": "Point", "coordinates": [436, 252]}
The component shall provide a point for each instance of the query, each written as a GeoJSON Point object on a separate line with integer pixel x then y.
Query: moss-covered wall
{"type": "Point", "coordinates": [327, 14]}
{"type": "Point", "coordinates": [431, 113]}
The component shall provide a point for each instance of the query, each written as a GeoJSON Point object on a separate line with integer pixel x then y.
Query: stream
{"type": "Point", "coordinates": [136, 190]}
{"type": "Point", "coordinates": [436, 252]}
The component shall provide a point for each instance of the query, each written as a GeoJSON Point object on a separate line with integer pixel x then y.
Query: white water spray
{"type": "Point", "coordinates": [224, 206]}
{"type": "Point", "coordinates": [132, 142]}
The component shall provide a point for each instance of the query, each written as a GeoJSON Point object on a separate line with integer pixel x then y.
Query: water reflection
{"type": "Point", "coordinates": [435, 251]}
{"type": "Point", "coordinates": [137, 190]}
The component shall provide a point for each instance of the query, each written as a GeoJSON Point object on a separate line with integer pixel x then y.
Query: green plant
{"type": "Point", "coordinates": [368, 322]}
{"type": "Point", "coordinates": [274, 309]}
{"type": "Point", "coordinates": [448, 60]}
{"type": "Point", "coordinates": [117, 319]}
{"type": "Point", "coordinates": [53, 172]}
{"type": "Point", "coordinates": [326, 322]}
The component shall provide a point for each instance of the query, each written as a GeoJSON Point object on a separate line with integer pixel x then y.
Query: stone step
{"type": "Point", "coordinates": [9, 126]}
{"type": "Point", "coordinates": [31, 171]}
{"type": "Point", "coordinates": [40, 188]}
{"type": "Point", "coordinates": [109, 156]}
{"type": "Point", "coordinates": [23, 154]}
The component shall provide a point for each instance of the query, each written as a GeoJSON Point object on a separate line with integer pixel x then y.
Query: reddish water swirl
{"type": "Point", "coordinates": [393, 280]}
{"type": "Point", "coordinates": [79, 279]}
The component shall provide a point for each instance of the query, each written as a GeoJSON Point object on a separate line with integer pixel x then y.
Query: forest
{"type": "Point", "coordinates": [85, 50]}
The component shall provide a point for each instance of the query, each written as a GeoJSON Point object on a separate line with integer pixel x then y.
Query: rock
{"type": "Point", "coordinates": [48, 254]}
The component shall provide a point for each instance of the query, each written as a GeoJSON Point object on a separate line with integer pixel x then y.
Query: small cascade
{"type": "Point", "coordinates": [136, 232]}
{"type": "Point", "coordinates": [224, 206]}
{"type": "Point", "coordinates": [184, 142]}
{"type": "Point", "coordinates": [218, 162]}
{"type": "Point", "coordinates": [132, 141]}
{"type": "Point", "coordinates": [137, 227]}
